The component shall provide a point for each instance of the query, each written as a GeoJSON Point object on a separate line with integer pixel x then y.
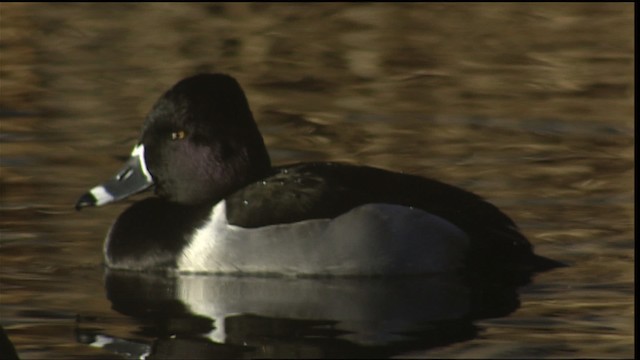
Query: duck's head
{"type": "Point", "coordinates": [198, 144]}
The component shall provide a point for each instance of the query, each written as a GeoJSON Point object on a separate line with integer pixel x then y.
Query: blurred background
{"type": "Point", "coordinates": [528, 104]}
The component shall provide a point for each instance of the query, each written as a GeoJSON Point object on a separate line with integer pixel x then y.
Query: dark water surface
{"type": "Point", "coordinates": [529, 105]}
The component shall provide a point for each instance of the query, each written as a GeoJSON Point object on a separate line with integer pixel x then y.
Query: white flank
{"type": "Point", "coordinates": [370, 239]}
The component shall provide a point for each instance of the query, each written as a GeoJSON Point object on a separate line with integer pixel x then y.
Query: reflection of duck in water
{"type": "Point", "coordinates": [222, 208]}
{"type": "Point", "coordinates": [193, 316]}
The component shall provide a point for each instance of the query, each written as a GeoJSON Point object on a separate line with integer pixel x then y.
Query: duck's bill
{"type": "Point", "coordinates": [131, 179]}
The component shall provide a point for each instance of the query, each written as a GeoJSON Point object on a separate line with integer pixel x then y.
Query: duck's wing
{"type": "Point", "coordinates": [326, 190]}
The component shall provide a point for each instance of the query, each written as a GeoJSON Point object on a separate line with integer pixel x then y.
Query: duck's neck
{"type": "Point", "coordinates": [247, 164]}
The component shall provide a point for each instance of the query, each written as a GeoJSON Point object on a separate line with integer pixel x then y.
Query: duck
{"type": "Point", "coordinates": [221, 207]}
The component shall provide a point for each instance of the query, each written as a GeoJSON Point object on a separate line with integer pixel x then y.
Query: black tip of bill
{"type": "Point", "coordinates": [85, 200]}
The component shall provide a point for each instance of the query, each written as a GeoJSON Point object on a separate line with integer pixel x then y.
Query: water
{"type": "Point", "coordinates": [529, 105]}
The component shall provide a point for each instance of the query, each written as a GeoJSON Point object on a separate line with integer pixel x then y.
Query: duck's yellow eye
{"type": "Point", "coordinates": [178, 135]}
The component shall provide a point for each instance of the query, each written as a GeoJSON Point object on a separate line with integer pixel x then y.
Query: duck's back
{"type": "Point", "coordinates": [326, 190]}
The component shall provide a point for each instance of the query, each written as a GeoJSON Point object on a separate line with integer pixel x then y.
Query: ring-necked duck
{"type": "Point", "coordinates": [222, 208]}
